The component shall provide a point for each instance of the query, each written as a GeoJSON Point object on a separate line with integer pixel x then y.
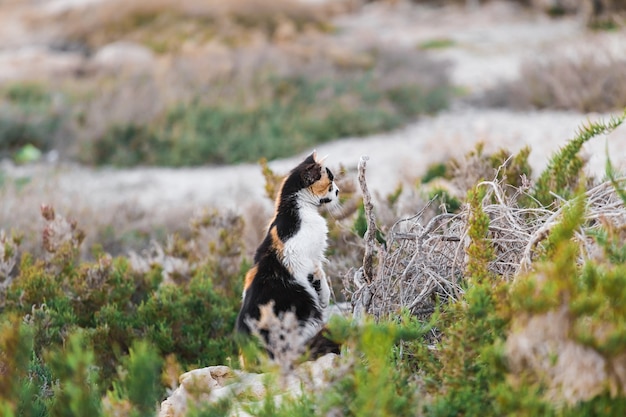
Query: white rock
{"type": "Point", "coordinates": [211, 384]}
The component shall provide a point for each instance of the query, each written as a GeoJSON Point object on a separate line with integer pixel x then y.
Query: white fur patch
{"type": "Point", "coordinates": [304, 251]}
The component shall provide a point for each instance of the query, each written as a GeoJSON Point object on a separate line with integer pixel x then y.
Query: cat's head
{"type": "Point", "coordinates": [312, 182]}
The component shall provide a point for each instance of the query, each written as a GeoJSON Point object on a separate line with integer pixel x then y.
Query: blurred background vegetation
{"type": "Point", "coordinates": [206, 82]}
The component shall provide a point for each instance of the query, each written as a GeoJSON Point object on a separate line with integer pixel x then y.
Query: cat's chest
{"type": "Point", "coordinates": [305, 249]}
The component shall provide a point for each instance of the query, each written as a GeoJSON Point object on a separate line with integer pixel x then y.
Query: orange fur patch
{"type": "Point", "coordinates": [320, 187]}
{"type": "Point", "coordinates": [249, 278]}
{"type": "Point", "coordinates": [277, 244]}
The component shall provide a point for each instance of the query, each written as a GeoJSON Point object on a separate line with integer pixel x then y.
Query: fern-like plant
{"type": "Point", "coordinates": [560, 179]}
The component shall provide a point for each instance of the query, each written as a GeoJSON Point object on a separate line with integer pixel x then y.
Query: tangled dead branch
{"type": "Point", "coordinates": [424, 258]}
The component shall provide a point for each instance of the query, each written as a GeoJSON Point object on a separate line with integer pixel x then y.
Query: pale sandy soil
{"type": "Point", "coordinates": [489, 45]}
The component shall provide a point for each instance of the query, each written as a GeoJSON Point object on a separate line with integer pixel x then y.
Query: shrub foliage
{"type": "Point", "coordinates": [71, 329]}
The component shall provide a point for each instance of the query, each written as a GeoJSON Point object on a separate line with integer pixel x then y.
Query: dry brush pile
{"type": "Point", "coordinates": [425, 257]}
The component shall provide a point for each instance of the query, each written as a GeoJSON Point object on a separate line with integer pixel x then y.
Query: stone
{"type": "Point", "coordinates": [211, 384]}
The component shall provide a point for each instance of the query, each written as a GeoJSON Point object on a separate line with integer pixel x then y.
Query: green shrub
{"type": "Point", "coordinates": [194, 321]}
{"type": "Point", "coordinates": [128, 145]}
{"type": "Point", "coordinates": [295, 114]}
{"type": "Point", "coordinates": [563, 174]}
{"type": "Point", "coordinates": [84, 321]}
{"type": "Point", "coordinates": [37, 130]}
{"type": "Point", "coordinates": [377, 384]}
{"type": "Point", "coordinates": [28, 95]}
{"type": "Point", "coordinates": [442, 198]}
{"type": "Point", "coordinates": [438, 170]}
{"type": "Point", "coordinates": [139, 380]}
{"type": "Point", "coordinates": [437, 43]}
{"type": "Point", "coordinates": [28, 118]}
{"type": "Point", "coordinates": [76, 393]}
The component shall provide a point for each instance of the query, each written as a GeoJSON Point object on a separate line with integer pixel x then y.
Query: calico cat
{"type": "Point", "coordinates": [287, 269]}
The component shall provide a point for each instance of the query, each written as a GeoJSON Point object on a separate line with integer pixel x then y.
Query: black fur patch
{"type": "Point", "coordinates": [330, 174]}
{"type": "Point", "coordinates": [325, 200]}
{"type": "Point", "coordinates": [273, 282]}
{"type": "Point", "coordinates": [317, 284]}
{"type": "Point", "coordinates": [320, 345]}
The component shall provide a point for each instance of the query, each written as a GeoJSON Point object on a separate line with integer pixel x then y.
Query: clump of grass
{"type": "Point", "coordinates": [29, 118]}
{"type": "Point", "coordinates": [446, 202]}
{"type": "Point", "coordinates": [437, 43]}
{"type": "Point", "coordinates": [437, 170]}
{"type": "Point", "coordinates": [563, 175]}
{"type": "Point", "coordinates": [27, 94]}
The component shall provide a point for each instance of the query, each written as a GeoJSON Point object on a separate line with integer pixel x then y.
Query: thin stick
{"type": "Point", "coordinates": [371, 246]}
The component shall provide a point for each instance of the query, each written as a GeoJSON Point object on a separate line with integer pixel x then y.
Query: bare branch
{"type": "Point", "coordinates": [371, 245]}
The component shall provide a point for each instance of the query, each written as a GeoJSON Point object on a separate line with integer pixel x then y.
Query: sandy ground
{"type": "Point", "coordinates": [488, 46]}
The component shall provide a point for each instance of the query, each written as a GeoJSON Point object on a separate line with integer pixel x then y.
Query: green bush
{"type": "Point", "coordinates": [378, 384]}
{"type": "Point", "coordinates": [29, 118]}
{"type": "Point", "coordinates": [442, 199]}
{"type": "Point", "coordinates": [93, 327]}
{"type": "Point", "coordinates": [194, 322]}
{"type": "Point", "coordinates": [28, 95]}
{"type": "Point", "coordinates": [139, 385]}
{"type": "Point", "coordinates": [295, 114]}
{"type": "Point", "coordinates": [76, 394]}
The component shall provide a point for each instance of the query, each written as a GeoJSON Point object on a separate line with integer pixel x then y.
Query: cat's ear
{"type": "Point", "coordinates": [314, 158]}
{"type": "Point", "coordinates": [311, 159]}
{"type": "Point", "coordinates": [311, 173]}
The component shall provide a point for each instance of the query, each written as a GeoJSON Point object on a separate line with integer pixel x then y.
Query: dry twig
{"type": "Point", "coordinates": [371, 246]}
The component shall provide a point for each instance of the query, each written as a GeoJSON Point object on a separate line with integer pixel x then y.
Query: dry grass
{"type": "Point", "coordinates": [585, 81]}
{"type": "Point", "coordinates": [116, 227]}
{"type": "Point", "coordinates": [166, 25]}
